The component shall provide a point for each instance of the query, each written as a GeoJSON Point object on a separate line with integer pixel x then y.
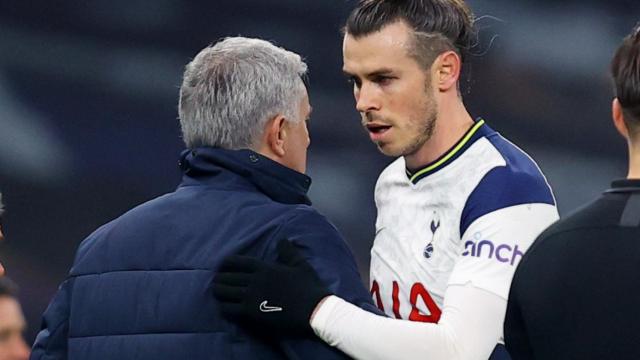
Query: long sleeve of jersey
{"type": "Point", "coordinates": [470, 324]}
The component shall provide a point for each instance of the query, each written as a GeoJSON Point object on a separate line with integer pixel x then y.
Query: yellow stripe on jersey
{"type": "Point", "coordinates": [452, 152]}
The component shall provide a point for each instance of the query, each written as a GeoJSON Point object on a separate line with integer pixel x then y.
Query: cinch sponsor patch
{"type": "Point", "coordinates": [487, 249]}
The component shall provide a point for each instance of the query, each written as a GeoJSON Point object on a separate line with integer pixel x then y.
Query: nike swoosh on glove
{"type": "Point", "coordinates": [279, 297]}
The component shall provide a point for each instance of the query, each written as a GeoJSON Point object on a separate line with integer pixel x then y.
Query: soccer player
{"type": "Point", "coordinates": [573, 295]}
{"type": "Point", "coordinates": [456, 210]}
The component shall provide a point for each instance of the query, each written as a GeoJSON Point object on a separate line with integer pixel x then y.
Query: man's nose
{"type": "Point", "coordinates": [367, 99]}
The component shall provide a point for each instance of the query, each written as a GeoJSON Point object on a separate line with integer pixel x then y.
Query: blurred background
{"type": "Point", "coordinates": [88, 109]}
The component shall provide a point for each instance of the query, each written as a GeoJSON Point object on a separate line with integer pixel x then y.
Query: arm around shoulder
{"type": "Point", "coordinates": [324, 248]}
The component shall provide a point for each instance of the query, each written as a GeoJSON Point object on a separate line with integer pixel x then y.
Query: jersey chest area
{"type": "Point", "coordinates": [416, 246]}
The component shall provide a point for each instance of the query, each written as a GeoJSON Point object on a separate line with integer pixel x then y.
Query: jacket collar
{"type": "Point", "coordinates": [280, 183]}
{"type": "Point", "coordinates": [624, 186]}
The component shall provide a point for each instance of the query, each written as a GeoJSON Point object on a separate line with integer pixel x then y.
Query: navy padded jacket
{"type": "Point", "coordinates": [140, 286]}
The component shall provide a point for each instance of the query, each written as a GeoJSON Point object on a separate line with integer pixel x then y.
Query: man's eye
{"type": "Point", "coordinates": [382, 80]}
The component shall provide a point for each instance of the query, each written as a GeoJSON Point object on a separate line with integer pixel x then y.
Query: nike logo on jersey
{"type": "Point", "coordinates": [267, 309]}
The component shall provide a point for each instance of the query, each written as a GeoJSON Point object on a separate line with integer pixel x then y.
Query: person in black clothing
{"type": "Point", "coordinates": [574, 293]}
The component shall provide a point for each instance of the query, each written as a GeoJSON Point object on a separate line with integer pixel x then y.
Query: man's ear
{"type": "Point", "coordinates": [447, 68]}
{"type": "Point", "coordinates": [618, 118]}
{"type": "Point", "coordinates": [276, 133]}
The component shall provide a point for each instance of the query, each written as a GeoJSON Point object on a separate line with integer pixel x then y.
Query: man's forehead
{"type": "Point", "coordinates": [383, 48]}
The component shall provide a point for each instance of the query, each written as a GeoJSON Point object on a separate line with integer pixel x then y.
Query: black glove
{"type": "Point", "coordinates": [279, 297]}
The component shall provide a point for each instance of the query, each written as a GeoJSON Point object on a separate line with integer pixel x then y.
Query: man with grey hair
{"type": "Point", "coordinates": [140, 287]}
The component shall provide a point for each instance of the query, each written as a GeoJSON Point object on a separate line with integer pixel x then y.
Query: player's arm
{"type": "Point", "coordinates": [468, 328]}
{"type": "Point", "coordinates": [473, 310]}
{"type": "Point", "coordinates": [323, 248]}
{"type": "Point", "coordinates": [51, 342]}
{"type": "Point", "coordinates": [474, 303]}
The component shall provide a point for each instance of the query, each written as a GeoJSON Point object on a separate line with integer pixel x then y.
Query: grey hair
{"type": "Point", "coordinates": [232, 88]}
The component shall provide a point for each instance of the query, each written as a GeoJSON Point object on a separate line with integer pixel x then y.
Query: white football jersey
{"type": "Point", "coordinates": [466, 218]}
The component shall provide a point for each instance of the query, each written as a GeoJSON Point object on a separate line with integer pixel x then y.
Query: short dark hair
{"type": "Point", "coordinates": [625, 69]}
{"type": "Point", "coordinates": [439, 25]}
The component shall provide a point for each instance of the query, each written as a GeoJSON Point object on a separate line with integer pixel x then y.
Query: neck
{"type": "Point", "coordinates": [634, 161]}
{"type": "Point", "coordinates": [452, 123]}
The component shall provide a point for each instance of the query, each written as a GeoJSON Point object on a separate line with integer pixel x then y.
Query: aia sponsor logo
{"type": "Point", "coordinates": [487, 249]}
{"type": "Point", "coordinates": [418, 294]}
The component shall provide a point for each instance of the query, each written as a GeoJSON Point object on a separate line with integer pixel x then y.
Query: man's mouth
{"type": "Point", "coordinates": [378, 132]}
{"type": "Point", "coordinates": [377, 128]}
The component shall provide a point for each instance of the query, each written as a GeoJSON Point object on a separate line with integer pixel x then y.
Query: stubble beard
{"type": "Point", "coordinates": [423, 129]}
